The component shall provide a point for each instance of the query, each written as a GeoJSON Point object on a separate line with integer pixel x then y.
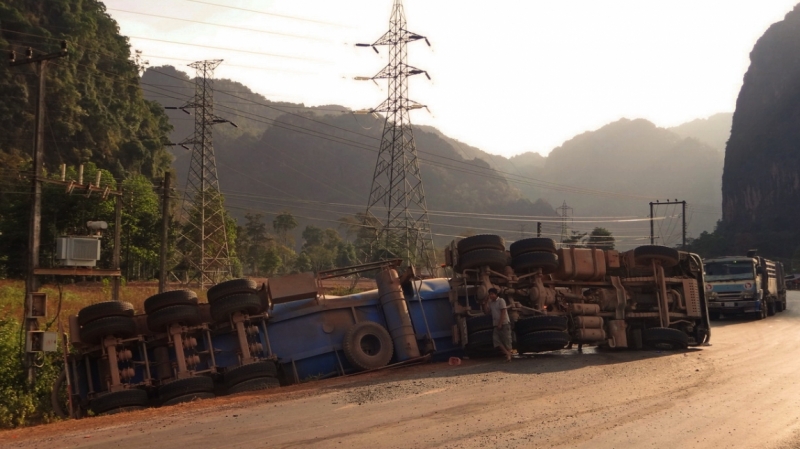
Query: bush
{"type": "Point", "coordinates": [21, 404]}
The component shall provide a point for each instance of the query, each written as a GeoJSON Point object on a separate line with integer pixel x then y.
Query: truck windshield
{"type": "Point", "coordinates": [722, 271]}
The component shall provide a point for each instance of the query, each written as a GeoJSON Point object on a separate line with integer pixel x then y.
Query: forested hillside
{"type": "Point", "coordinates": [284, 155]}
{"type": "Point", "coordinates": [95, 108]}
{"type": "Point", "coordinates": [95, 115]}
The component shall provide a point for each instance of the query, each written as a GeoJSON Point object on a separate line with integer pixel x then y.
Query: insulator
{"type": "Point", "coordinates": [189, 342]}
{"type": "Point", "coordinates": [192, 360]}
{"type": "Point", "coordinates": [124, 355]}
{"type": "Point", "coordinates": [127, 373]}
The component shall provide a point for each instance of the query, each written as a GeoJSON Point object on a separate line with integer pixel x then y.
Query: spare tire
{"type": "Point", "coordinates": [104, 309]}
{"type": "Point", "coordinates": [367, 345]}
{"type": "Point", "coordinates": [494, 259]}
{"type": "Point", "coordinates": [532, 244]}
{"type": "Point", "coordinates": [232, 287]}
{"type": "Point", "coordinates": [480, 241]}
{"type": "Point", "coordinates": [669, 257]}
{"type": "Point", "coordinates": [527, 262]}
{"type": "Point", "coordinates": [170, 298]}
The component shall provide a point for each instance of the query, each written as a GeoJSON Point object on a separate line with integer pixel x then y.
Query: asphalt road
{"type": "Point", "coordinates": [740, 392]}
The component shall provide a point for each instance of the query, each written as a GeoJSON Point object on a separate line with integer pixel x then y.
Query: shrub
{"type": "Point", "coordinates": [20, 403]}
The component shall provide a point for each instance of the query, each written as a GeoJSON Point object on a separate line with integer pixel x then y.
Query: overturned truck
{"type": "Point", "coordinates": [650, 296]}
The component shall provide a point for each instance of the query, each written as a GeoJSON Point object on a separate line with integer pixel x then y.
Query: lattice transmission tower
{"type": "Point", "coordinates": [203, 241]}
{"type": "Point", "coordinates": [397, 197]}
{"type": "Point", "coordinates": [563, 212]}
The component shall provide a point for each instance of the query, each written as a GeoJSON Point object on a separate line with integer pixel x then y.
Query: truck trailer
{"type": "Point", "coordinates": [650, 296]}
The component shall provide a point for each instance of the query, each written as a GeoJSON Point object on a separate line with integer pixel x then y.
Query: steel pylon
{"type": "Point", "coordinates": [203, 241]}
{"type": "Point", "coordinates": [397, 197]}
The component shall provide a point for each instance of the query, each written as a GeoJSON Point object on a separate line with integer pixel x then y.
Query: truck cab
{"type": "Point", "coordinates": [749, 285]}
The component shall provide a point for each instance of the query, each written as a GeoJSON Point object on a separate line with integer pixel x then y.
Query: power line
{"type": "Point", "coordinates": [303, 19]}
{"type": "Point", "coordinates": [299, 58]}
{"type": "Point", "coordinates": [276, 33]}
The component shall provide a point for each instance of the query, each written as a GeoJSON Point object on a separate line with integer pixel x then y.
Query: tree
{"type": "Point", "coordinates": [253, 242]}
{"type": "Point", "coordinates": [283, 224]}
{"type": "Point", "coordinates": [271, 261]}
{"type": "Point", "coordinates": [600, 238]}
{"type": "Point", "coordinates": [575, 239]}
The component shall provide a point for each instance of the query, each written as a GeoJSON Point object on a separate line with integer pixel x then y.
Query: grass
{"type": "Point", "coordinates": [73, 297]}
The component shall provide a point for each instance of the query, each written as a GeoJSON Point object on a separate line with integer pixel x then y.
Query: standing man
{"type": "Point", "coordinates": [502, 324]}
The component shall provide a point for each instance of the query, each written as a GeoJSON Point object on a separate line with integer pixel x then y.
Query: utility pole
{"type": "Point", "coordinates": [35, 225]}
{"type": "Point", "coordinates": [204, 244]}
{"type": "Point", "coordinates": [162, 271]}
{"type": "Point", "coordinates": [397, 193]}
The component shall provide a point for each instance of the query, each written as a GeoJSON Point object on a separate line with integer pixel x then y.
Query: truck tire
{"type": "Point", "coordinates": [541, 341]}
{"type": "Point", "coordinates": [480, 241]}
{"type": "Point", "coordinates": [104, 309]}
{"type": "Point", "coordinates": [189, 398]}
{"type": "Point", "coordinates": [257, 384]}
{"type": "Point", "coordinates": [530, 245]}
{"type": "Point", "coordinates": [185, 386]}
{"type": "Point", "coordinates": [367, 345]}
{"type": "Point", "coordinates": [222, 308]}
{"type": "Point", "coordinates": [170, 298]}
{"type": "Point", "coordinates": [117, 400]}
{"type": "Point", "coordinates": [118, 326]}
{"type": "Point", "coordinates": [481, 344]}
{"type": "Point", "coordinates": [540, 323]}
{"type": "Point", "coordinates": [527, 262]}
{"type": "Point", "coordinates": [713, 316]}
{"type": "Point", "coordinates": [669, 257]}
{"type": "Point", "coordinates": [495, 259]}
{"type": "Point", "coordinates": [665, 338]}
{"type": "Point", "coordinates": [479, 323]}
{"type": "Point", "coordinates": [250, 371]}
{"type": "Point", "coordinates": [771, 306]}
{"type": "Point", "coordinates": [232, 287]}
{"type": "Point", "coordinates": [162, 319]}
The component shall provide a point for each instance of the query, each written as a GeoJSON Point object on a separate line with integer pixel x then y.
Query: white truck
{"type": "Point", "coordinates": [749, 285]}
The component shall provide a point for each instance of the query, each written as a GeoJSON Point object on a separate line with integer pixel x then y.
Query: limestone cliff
{"type": "Point", "coordinates": [761, 177]}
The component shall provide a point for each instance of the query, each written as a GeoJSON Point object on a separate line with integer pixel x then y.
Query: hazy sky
{"type": "Point", "coordinates": [509, 76]}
